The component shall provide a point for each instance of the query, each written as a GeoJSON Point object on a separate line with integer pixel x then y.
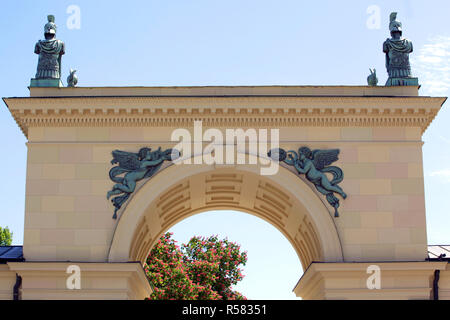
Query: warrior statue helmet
{"type": "Point", "coordinates": [50, 26]}
{"type": "Point", "coordinates": [395, 25]}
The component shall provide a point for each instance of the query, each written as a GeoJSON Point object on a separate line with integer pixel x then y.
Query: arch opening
{"type": "Point", "coordinates": [273, 267]}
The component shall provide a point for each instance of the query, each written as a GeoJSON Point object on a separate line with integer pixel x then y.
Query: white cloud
{"type": "Point", "coordinates": [432, 65]}
{"type": "Point", "coordinates": [447, 141]}
{"type": "Point", "coordinates": [443, 174]}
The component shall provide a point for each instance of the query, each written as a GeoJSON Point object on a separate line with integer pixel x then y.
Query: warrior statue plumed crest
{"type": "Point", "coordinates": [314, 165]}
{"type": "Point", "coordinates": [397, 50]}
{"type": "Point", "coordinates": [50, 51]}
{"type": "Point", "coordinates": [135, 167]}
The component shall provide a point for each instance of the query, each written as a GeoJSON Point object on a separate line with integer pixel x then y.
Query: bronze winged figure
{"type": "Point", "coordinates": [314, 164]}
{"type": "Point", "coordinates": [133, 167]}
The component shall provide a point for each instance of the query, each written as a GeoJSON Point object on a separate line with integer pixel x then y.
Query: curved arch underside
{"type": "Point", "coordinates": [164, 201]}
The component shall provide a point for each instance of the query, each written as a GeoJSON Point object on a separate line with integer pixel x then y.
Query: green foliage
{"type": "Point", "coordinates": [5, 236]}
{"type": "Point", "coordinates": [202, 269]}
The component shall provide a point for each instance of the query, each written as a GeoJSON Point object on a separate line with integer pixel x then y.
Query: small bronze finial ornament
{"type": "Point", "coordinates": [372, 80]}
{"type": "Point", "coordinates": [72, 79]}
{"type": "Point", "coordinates": [397, 50]}
{"type": "Point", "coordinates": [50, 51]}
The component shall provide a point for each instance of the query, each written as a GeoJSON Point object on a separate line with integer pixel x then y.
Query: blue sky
{"type": "Point", "coordinates": [209, 42]}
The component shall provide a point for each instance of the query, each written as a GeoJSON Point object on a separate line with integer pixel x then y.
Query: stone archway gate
{"type": "Point", "coordinates": [68, 220]}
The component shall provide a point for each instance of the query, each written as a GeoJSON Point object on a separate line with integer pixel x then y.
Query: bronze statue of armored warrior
{"type": "Point", "coordinates": [50, 51]}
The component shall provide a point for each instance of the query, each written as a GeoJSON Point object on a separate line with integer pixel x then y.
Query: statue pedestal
{"type": "Point", "coordinates": [46, 83]}
{"type": "Point", "coordinates": [396, 82]}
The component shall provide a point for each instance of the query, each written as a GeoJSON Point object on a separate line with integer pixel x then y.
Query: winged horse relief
{"type": "Point", "coordinates": [134, 167]}
{"type": "Point", "coordinates": [314, 165]}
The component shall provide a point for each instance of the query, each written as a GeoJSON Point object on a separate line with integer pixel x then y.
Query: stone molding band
{"type": "Point", "coordinates": [225, 112]}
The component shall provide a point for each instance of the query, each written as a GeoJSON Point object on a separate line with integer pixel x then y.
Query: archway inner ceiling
{"type": "Point", "coordinates": [228, 190]}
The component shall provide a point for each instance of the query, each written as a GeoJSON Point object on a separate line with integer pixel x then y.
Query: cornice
{"type": "Point", "coordinates": [237, 111]}
{"type": "Point", "coordinates": [222, 101]}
